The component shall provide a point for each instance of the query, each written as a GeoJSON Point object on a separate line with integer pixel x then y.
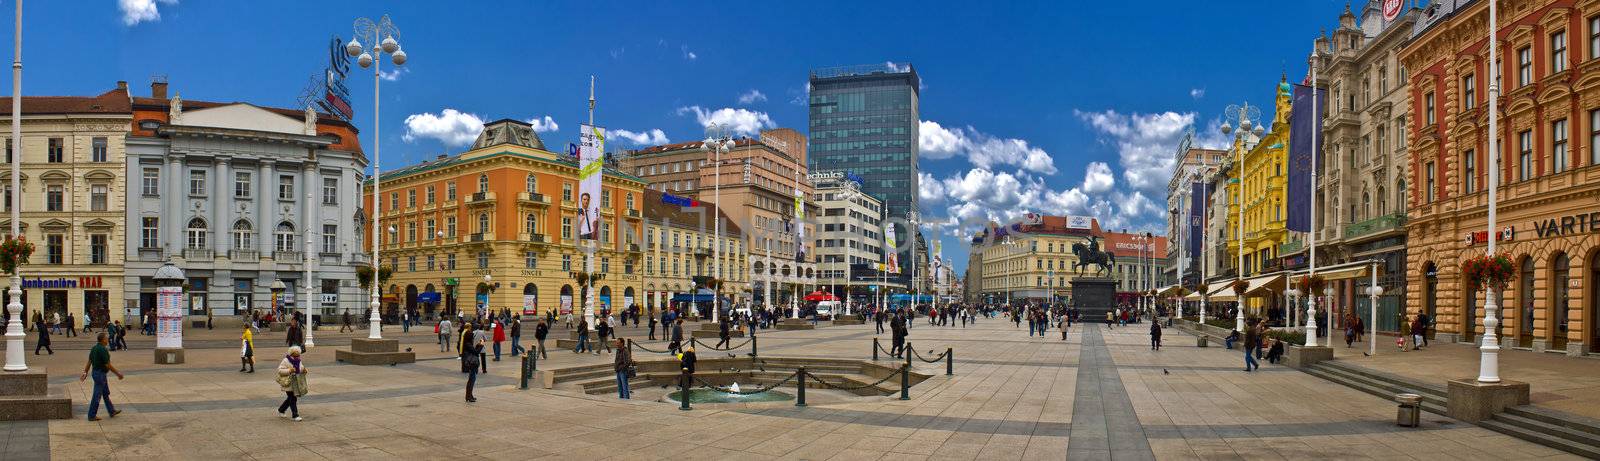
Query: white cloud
{"type": "Point", "coordinates": [137, 11]}
{"type": "Point", "coordinates": [1197, 93]}
{"type": "Point", "coordinates": [688, 54]}
{"type": "Point", "coordinates": [931, 190]}
{"type": "Point", "coordinates": [651, 137]}
{"type": "Point", "coordinates": [934, 141]}
{"type": "Point", "coordinates": [451, 127]}
{"type": "Point", "coordinates": [739, 121]}
{"type": "Point", "coordinates": [1097, 178]}
{"type": "Point", "coordinates": [801, 96]}
{"type": "Point", "coordinates": [897, 67]}
{"type": "Point", "coordinates": [752, 96]}
{"type": "Point", "coordinates": [544, 124]}
{"type": "Point", "coordinates": [393, 75]}
{"type": "Point", "coordinates": [1145, 143]}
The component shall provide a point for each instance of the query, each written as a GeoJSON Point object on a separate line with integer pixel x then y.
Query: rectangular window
{"type": "Point", "coordinates": [1524, 66]}
{"type": "Point", "coordinates": [411, 263]}
{"type": "Point", "coordinates": [241, 184]}
{"type": "Point", "coordinates": [1594, 137]}
{"type": "Point", "coordinates": [411, 231]}
{"type": "Point", "coordinates": [430, 262]}
{"type": "Point", "coordinates": [285, 187]}
{"type": "Point", "coordinates": [1428, 182]}
{"type": "Point", "coordinates": [450, 259]}
{"type": "Point", "coordinates": [98, 196]}
{"type": "Point", "coordinates": [1469, 177]}
{"type": "Point", "coordinates": [97, 249]}
{"type": "Point", "coordinates": [566, 263]}
{"type": "Point", "coordinates": [566, 228]}
{"type": "Point", "coordinates": [605, 265]}
{"type": "Point", "coordinates": [330, 238]}
{"type": "Point", "coordinates": [411, 198]}
{"type": "Point", "coordinates": [55, 248]}
{"type": "Point", "coordinates": [1558, 145]}
{"type": "Point", "coordinates": [57, 151]}
{"type": "Point", "coordinates": [449, 192]}
{"type": "Point", "coordinates": [394, 200]}
{"type": "Point", "coordinates": [151, 182]}
{"type": "Point", "coordinates": [483, 260]}
{"type": "Point", "coordinates": [1427, 108]}
{"type": "Point", "coordinates": [450, 226]}
{"type": "Point", "coordinates": [430, 230]}
{"type": "Point", "coordinates": [150, 233]}
{"type": "Point", "coordinates": [55, 198]}
{"type": "Point", "coordinates": [1525, 155]}
{"type": "Point", "coordinates": [430, 197]}
{"type": "Point", "coordinates": [197, 183]}
{"type": "Point", "coordinates": [330, 191]}
{"type": "Point", "coordinates": [530, 259]}
{"type": "Point", "coordinates": [98, 150]}
{"type": "Point", "coordinates": [8, 150]}
{"type": "Point", "coordinates": [1558, 51]}
{"type": "Point", "coordinates": [1469, 92]}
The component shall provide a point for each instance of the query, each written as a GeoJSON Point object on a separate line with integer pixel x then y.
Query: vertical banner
{"type": "Point", "coordinates": [799, 225]}
{"type": "Point", "coordinates": [1303, 124]}
{"type": "Point", "coordinates": [591, 145]}
{"type": "Point", "coordinates": [169, 317]}
{"type": "Point", "coordinates": [938, 263]}
{"type": "Point", "coordinates": [891, 252]}
{"type": "Point", "coordinates": [530, 304]}
{"type": "Point", "coordinates": [1197, 202]}
{"type": "Point", "coordinates": [566, 304]}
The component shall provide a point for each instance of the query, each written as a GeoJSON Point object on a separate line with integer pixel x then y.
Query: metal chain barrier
{"type": "Point", "coordinates": [852, 388]}
{"type": "Point", "coordinates": [935, 359]}
{"type": "Point", "coordinates": [701, 344]}
{"type": "Point", "coordinates": [727, 390]}
{"type": "Point", "coordinates": [646, 349]}
{"type": "Point", "coordinates": [879, 345]}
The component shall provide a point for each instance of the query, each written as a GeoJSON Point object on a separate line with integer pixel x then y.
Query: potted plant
{"type": "Point", "coordinates": [1488, 272]}
{"type": "Point", "coordinates": [14, 252]}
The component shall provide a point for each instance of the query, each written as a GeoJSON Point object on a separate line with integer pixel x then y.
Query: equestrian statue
{"type": "Point", "coordinates": [1091, 254]}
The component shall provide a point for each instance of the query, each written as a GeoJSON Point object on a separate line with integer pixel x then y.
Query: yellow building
{"type": "Point", "coordinates": [495, 224]}
{"type": "Point", "coordinates": [680, 245]}
{"type": "Point", "coordinates": [1264, 168]}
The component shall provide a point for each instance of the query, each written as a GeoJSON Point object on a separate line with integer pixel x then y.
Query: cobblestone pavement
{"type": "Point", "coordinates": [1098, 394]}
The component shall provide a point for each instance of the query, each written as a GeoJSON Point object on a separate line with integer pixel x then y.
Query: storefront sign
{"type": "Point", "coordinates": [1391, 9]}
{"type": "Point", "coordinates": [1505, 235]}
{"type": "Point", "coordinates": [530, 304]}
{"type": "Point", "coordinates": [169, 317]}
{"type": "Point", "coordinates": [330, 298]}
{"type": "Point", "coordinates": [80, 282]}
{"type": "Point", "coordinates": [1568, 225]}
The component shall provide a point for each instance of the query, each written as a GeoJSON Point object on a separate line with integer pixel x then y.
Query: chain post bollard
{"type": "Point", "coordinates": [875, 347]}
{"type": "Point", "coordinates": [907, 350]}
{"type": "Point", "coordinates": [683, 393]}
{"type": "Point", "coordinates": [905, 382]}
{"type": "Point", "coordinates": [532, 352]}
{"type": "Point", "coordinates": [949, 361]}
{"type": "Point", "coordinates": [800, 389]}
{"type": "Point", "coordinates": [524, 374]}
{"type": "Point", "coordinates": [753, 344]}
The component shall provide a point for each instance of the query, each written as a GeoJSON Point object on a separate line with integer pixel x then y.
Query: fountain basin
{"type": "Point", "coordinates": [710, 396]}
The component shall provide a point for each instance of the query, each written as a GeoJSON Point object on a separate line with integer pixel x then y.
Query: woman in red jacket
{"type": "Point", "coordinates": [499, 337]}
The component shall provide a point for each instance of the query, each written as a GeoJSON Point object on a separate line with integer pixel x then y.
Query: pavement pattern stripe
{"type": "Point", "coordinates": [1104, 425]}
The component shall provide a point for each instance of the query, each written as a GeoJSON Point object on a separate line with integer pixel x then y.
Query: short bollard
{"type": "Point", "coordinates": [800, 388]}
{"type": "Point", "coordinates": [532, 352]}
{"type": "Point", "coordinates": [907, 350]}
{"type": "Point", "coordinates": [683, 393]}
{"type": "Point", "coordinates": [949, 361]}
{"type": "Point", "coordinates": [753, 344]}
{"type": "Point", "coordinates": [525, 372]}
{"type": "Point", "coordinates": [875, 348]}
{"type": "Point", "coordinates": [905, 382]}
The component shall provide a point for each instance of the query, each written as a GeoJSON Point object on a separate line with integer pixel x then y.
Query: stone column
{"type": "Point", "coordinates": [222, 202]}
{"type": "Point", "coordinates": [265, 201]}
{"type": "Point", "coordinates": [172, 198]}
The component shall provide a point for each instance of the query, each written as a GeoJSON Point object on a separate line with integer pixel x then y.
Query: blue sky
{"type": "Point", "coordinates": [1055, 107]}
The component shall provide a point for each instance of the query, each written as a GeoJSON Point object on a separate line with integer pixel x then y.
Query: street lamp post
{"type": "Point", "coordinates": [16, 359]}
{"type": "Point", "coordinates": [1247, 117]}
{"type": "Point", "coordinates": [370, 57]}
{"type": "Point", "coordinates": [717, 147]}
{"type": "Point", "coordinates": [1489, 359]}
{"type": "Point", "coordinates": [1373, 291]}
{"type": "Point", "coordinates": [916, 286]}
{"type": "Point", "coordinates": [1311, 258]}
{"type": "Point", "coordinates": [306, 271]}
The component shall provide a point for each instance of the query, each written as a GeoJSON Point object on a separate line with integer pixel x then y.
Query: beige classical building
{"type": "Point", "coordinates": [1361, 205]}
{"type": "Point", "coordinates": [680, 250]}
{"type": "Point", "coordinates": [72, 198]}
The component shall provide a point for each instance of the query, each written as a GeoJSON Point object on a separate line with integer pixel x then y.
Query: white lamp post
{"type": "Point", "coordinates": [16, 359]}
{"type": "Point", "coordinates": [1374, 292]}
{"type": "Point", "coordinates": [1311, 259]}
{"type": "Point", "coordinates": [717, 147]}
{"type": "Point", "coordinates": [370, 57]}
{"type": "Point", "coordinates": [1247, 117]}
{"type": "Point", "coordinates": [311, 326]}
{"type": "Point", "coordinates": [1489, 359]}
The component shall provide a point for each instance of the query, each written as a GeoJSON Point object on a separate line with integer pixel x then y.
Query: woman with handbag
{"type": "Point", "coordinates": [247, 351]}
{"type": "Point", "coordinates": [471, 350]}
{"type": "Point", "coordinates": [292, 379]}
{"type": "Point", "coordinates": [624, 368]}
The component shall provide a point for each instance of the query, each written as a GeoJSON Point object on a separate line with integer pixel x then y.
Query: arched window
{"type": "Point", "coordinates": [1400, 200]}
{"type": "Point", "coordinates": [533, 183]}
{"type": "Point", "coordinates": [1383, 201]}
{"type": "Point", "coordinates": [483, 223]}
{"type": "Point", "coordinates": [532, 223]}
{"type": "Point", "coordinates": [284, 236]}
{"type": "Point", "coordinates": [1560, 300]}
{"type": "Point", "coordinates": [1366, 204]}
{"type": "Point", "coordinates": [197, 233]}
{"type": "Point", "coordinates": [483, 183]}
{"type": "Point", "coordinates": [243, 235]}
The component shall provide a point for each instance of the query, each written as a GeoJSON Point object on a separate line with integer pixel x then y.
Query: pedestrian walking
{"type": "Point", "coordinates": [516, 337]}
{"type": "Point", "coordinates": [291, 379]}
{"type": "Point", "coordinates": [677, 337]}
{"type": "Point", "coordinates": [209, 324]}
{"type": "Point", "coordinates": [583, 338]}
{"type": "Point", "coordinates": [247, 350]}
{"type": "Point", "coordinates": [443, 328]}
{"type": "Point", "coordinates": [1251, 340]}
{"type": "Point", "coordinates": [99, 363]}
{"type": "Point", "coordinates": [72, 326]}
{"type": "Point", "coordinates": [111, 334]}
{"type": "Point", "coordinates": [604, 330]}
{"type": "Point", "coordinates": [499, 337]}
{"type": "Point", "coordinates": [471, 356]}
{"type": "Point", "coordinates": [483, 336]}
{"type": "Point", "coordinates": [44, 339]}
{"type": "Point", "coordinates": [1417, 327]}
{"type": "Point", "coordinates": [652, 315]}
{"type": "Point", "coordinates": [1155, 336]}
{"type": "Point", "coordinates": [722, 333]}
{"type": "Point", "coordinates": [344, 323]}
{"type": "Point", "coordinates": [539, 332]}
{"type": "Point", "coordinates": [121, 338]}
{"type": "Point", "coordinates": [623, 363]}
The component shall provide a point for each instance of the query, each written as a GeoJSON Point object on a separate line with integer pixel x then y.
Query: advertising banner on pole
{"type": "Point", "coordinates": [169, 317]}
{"type": "Point", "coordinates": [530, 304]}
{"type": "Point", "coordinates": [799, 225]}
{"type": "Point", "coordinates": [891, 252]}
{"type": "Point", "coordinates": [566, 304]}
{"type": "Point", "coordinates": [1302, 124]}
{"type": "Point", "coordinates": [591, 145]}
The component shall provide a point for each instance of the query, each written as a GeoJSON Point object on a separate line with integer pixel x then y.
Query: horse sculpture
{"type": "Point", "coordinates": [1088, 255]}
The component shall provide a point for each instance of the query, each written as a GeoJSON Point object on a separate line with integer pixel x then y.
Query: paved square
{"type": "Point", "coordinates": [1100, 394]}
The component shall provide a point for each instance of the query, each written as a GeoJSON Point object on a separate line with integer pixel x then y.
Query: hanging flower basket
{"type": "Point", "coordinates": [1312, 284]}
{"type": "Point", "coordinates": [1183, 292]}
{"type": "Point", "coordinates": [1239, 287]}
{"type": "Point", "coordinates": [1484, 271]}
{"type": "Point", "coordinates": [14, 252]}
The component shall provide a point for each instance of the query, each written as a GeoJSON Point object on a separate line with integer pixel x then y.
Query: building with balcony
{"type": "Point", "coordinates": [1361, 209]}
{"type": "Point", "coordinates": [1032, 259]}
{"type": "Point", "coordinates": [72, 152]}
{"type": "Point", "coordinates": [682, 248]}
{"type": "Point", "coordinates": [1187, 199]}
{"type": "Point", "coordinates": [759, 182]}
{"type": "Point", "coordinates": [1549, 170]}
{"type": "Point", "coordinates": [496, 224]}
{"type": "Point", "coordinates": [240, 196]}
{"type": "Point", "coordinates": [850, 238]}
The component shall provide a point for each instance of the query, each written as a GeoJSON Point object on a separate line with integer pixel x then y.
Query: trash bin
{"type": "Point", "coordinates": [1200, 341]}
{"type": "Point", "coordinates": [1410, 412]}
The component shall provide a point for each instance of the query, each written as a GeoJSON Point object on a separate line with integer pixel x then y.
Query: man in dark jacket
{"type": "Point", "coordinates": [540, 331]}
{"type": "Point", "coordinates": [722, 333]}
{"type": "Point", "coordinates": [1251, 338]}
{"type": "Point", "coordinates": [516, 336]}
{"type": "Point", "coordinates": [621, 364]}
{"type": "Point", "coordinates": [677, 337]}
{"type": "Point", "coordinates": [897, 331]}
{"type": "Point", "coordinates": [652, 315]}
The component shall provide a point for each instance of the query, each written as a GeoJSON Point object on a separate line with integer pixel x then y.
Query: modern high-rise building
{"type": "Point", "coordinates": [864, 121]}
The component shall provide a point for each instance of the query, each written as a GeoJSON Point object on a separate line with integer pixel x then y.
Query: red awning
{"type": "Point", "coordinates": [820, 296]}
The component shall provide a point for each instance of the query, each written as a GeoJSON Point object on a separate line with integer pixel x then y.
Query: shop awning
{"type": "Point", "coordinates": [1168, 290]}
{"type": "Point", "coordinates": [1265, 284]}
{"type": "Point", "coordinates": [1195, 296]}
{"type": "Point", "coordinates": [1223, 291]}
{"type": "Point", "coordinates": [1343, 271]}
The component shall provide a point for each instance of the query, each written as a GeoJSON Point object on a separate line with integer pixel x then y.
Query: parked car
{"type": "Point", "coordinates": [826, 309]}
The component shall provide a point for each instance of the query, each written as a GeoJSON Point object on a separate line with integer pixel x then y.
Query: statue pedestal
{"type": "Point", "coordinates": [1093, 297]}
{"type": "Point", "coordinates": [25, 395]}
{"type": "Point", "coordinates": [366, 351]}
{"type": "Point", "coordinates": [169, 355]}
